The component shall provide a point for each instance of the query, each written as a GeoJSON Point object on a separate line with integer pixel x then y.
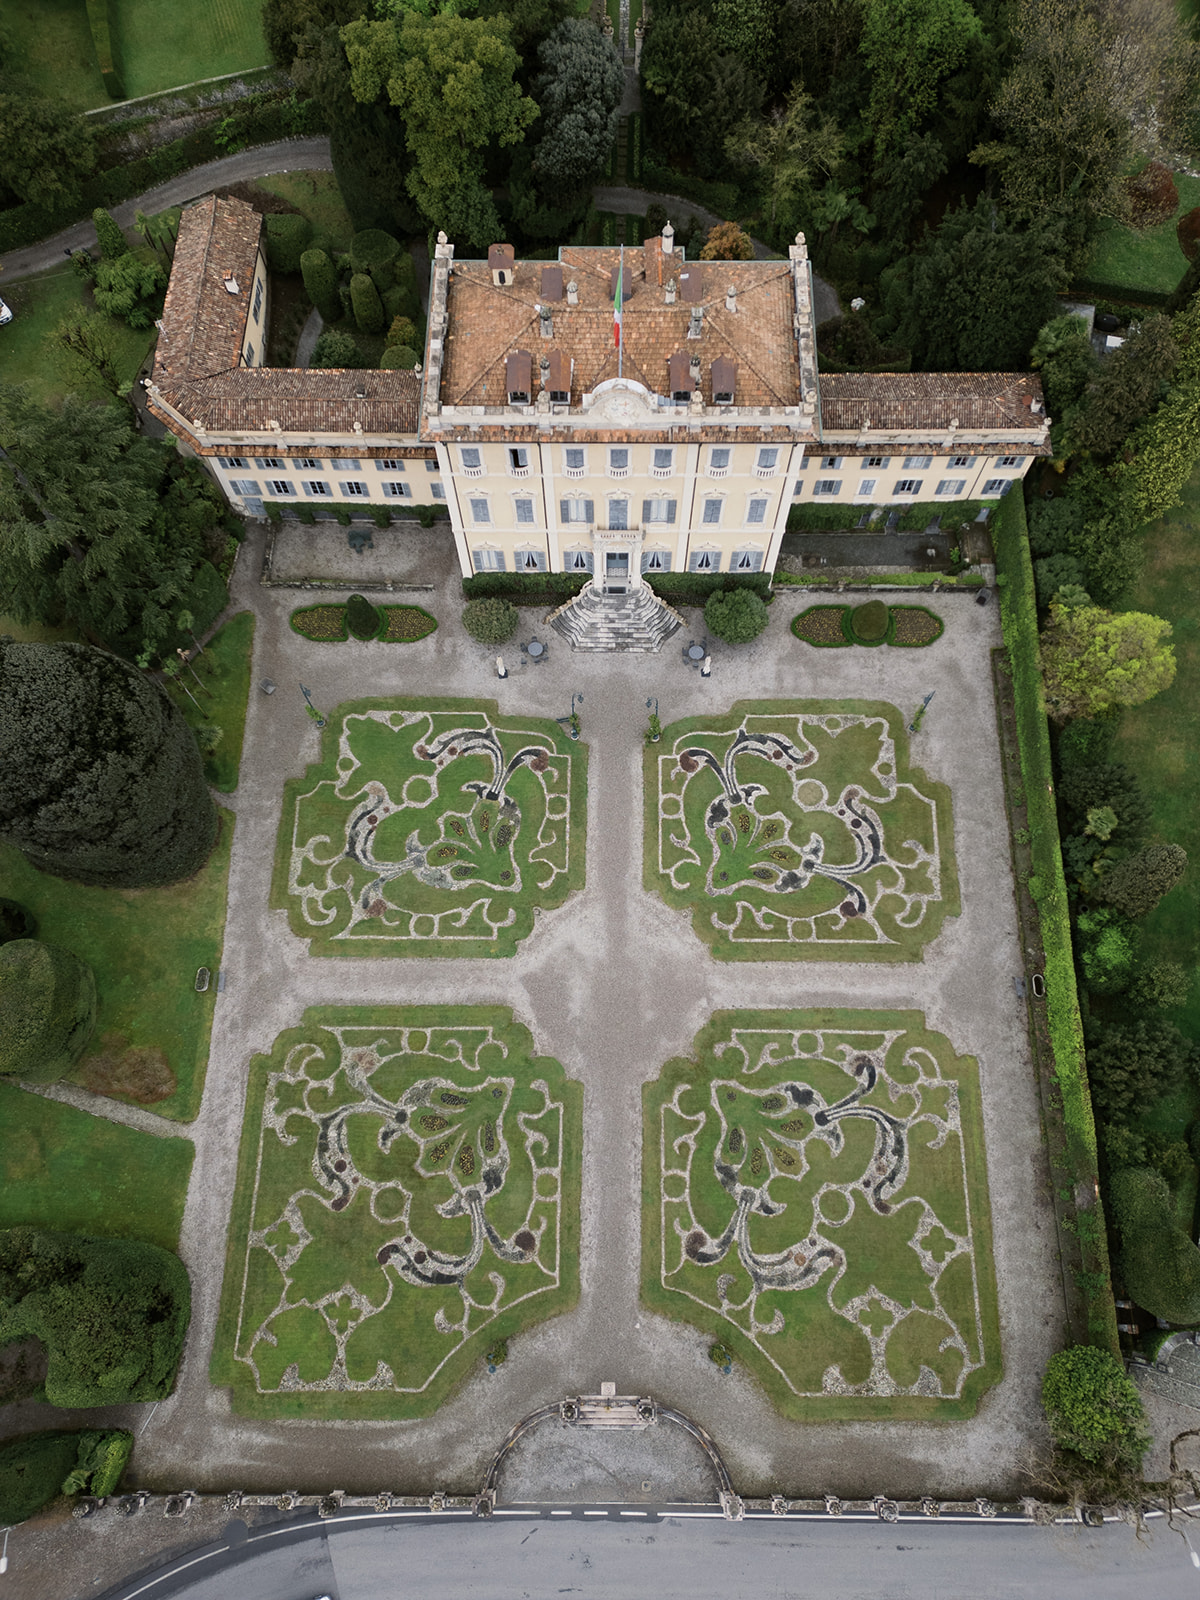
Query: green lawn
{"type": "Point", "coordinates": [431, 828]}
{"type": "Point", "coordinates": [408, 1193]}
{"type": "Point", "coordinates": [63, 1169]}
{"type": "Point", "coordinates": [814, 1195]}
{"type": "Point", "coordinates": [52, 47]}
{"type": "Point", "coordinates": [316, 196]}
{"type": "Point", "coordinates": [161, 43]}
{"type": "Point", "coordinates": [1152, 259]}
{"type": "Point", "coordinates": [1161, 740]}
{"type": "Point", "coordinates": [144, 945]}
{"type": "Point", "coordinates": [795, 830]}
{"type": "Point", "coordinates": [38, 305]}
{"type": "Point", "coordinates": [224, 669]}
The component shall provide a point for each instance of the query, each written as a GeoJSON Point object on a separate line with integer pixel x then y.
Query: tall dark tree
{"type": "Point", "coordinates": [579, 89]}
{"type": "Point", "coordinates": [693, 94]}
{"type": "Point", "coordinates": [47, 150]}
{"type": "Point", "coordinates": [1124, 389]}
{"type": "Point", "coordinates": [100, 777]}
{"type": "Point", "coordinates": [288, 25]}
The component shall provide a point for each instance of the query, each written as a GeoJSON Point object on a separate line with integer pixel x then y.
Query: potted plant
{"type": "Point", "coordinates": [654, 731]}
{"type": "Point", "coordinates": [574, 724]}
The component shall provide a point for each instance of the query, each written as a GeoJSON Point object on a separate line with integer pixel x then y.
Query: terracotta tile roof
{"type": "Point", "coordinates": [487, 324]}
{"type": "Point", "coordinates": [320, 400]}
{"type": "Point", "coordinates": [907, 402]}
{"type": "Point", "coordinates": [202, 324]}
{"type": "Point", "coordinates": [197, 362]}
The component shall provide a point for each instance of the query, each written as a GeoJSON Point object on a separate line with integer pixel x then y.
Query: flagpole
{"type": "Point", "coordinates": [621, 316]}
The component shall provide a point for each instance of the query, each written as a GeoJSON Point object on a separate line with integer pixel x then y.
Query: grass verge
{"type": "Point", "coordinates": [1149, 259]}
{"type": "Point", "coordinates": [52, 47]}
{"type": "Point", "coordinates": [144, 945]}
{"type": "Point", "coordinates": [225, 668]}
{"type": "Point", "coordinates": [355, 1295]}
{"type": "Point", "coordinates": [316, 196]}
{"type": "Point", "coordinates": [38, 305]}
{"type": "Point", "coordinates": [65, 1169]}
{"type": "Point", "coordinates": [160, 43]}
{"type": "Point", "coordinates": [823, 1265]}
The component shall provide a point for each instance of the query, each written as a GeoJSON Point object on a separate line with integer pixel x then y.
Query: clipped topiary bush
{"type": "Point", "coordinates": [321, 283]}
{"type": "Point", "coordinates": [112, 1313]}
{"type": "Point", "coordinates": [47, 1010]}
{"type": "Point", "coordinates": [490, 621]}
{"type": "Point", "coordinates": [38, 1467]}
{"type": "Point", "coordinates": [375, 253]}
{"type": "Point", "coordinates": [16, 922]}
{"type": "Point", "coordinates": [1094, 1408]}
{"type": "Point", "coordinates": [736, 616]}
{"type": "Point", "coordinates": [868, 623]}
{"type": "Point", "coordinates": [1161, 1264]}
{"type": "Point", "coordinates": [398, 358]}
{"type": "Point", "coordinates": [288, 237]}
{"type": "Point", "coordinates": [362, 618]}
{"type": "Point", "coordinates": [402, 331]}
{"type": "Point", "coordinates": [338, 349]}
{"type": "Point", "coordinates": [366, 304]}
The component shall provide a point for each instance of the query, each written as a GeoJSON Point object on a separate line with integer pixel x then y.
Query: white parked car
{"type": "Point", "coordinates": [5, 314]}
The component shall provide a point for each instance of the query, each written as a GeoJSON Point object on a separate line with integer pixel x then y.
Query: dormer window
{"type": "Point", "coordinates": [556, 377]}
{"type": "Point", "coordinates": [679, 378]}
{"type": "Point", "coordinates": [691, 285]}
{"type": "Point", "coordinates": [552, 284]}
{"type": "Point", "coordinates": [724, 381]}
{"type": "Point", "coordinates": [518, 378]}
{"type": "Point", "coordinates": [503, 263]}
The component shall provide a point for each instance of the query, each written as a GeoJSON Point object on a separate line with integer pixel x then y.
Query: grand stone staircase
{"type": "Point", "coordinates": [635, 621]}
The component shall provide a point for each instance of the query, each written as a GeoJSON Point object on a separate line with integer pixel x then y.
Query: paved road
{"type": "Point", "coordinates": [676, 1557]}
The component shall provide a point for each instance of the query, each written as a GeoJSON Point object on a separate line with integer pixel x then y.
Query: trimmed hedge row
{"type": "Point", "coordinates": [1018, 611]}
{"type": "Point", "coordinates": [258, 119]}
{"type": "Point", "coordinates": [382, 516]}
{"type": "Point", "coordinates": [694, 588]}
{"type": "Point", "coordinates": [524, 588]}
{"type": "Point", "coordinates": [819, 517]}
{"type": "Point", "coordinates": [901, 580]}
{"type": "Point", "coordinates": [327, 624]}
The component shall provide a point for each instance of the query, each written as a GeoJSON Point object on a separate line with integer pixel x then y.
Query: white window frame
{"type": "Point", "coordinates": [520, 500]}
{"type": "Point", "coordinates": [487, 560]}
{"type": "Point", "coordinates": [310, 464]}
{"type": "Point", "coordinates": [615, 471]}
{"type": "Point", "coordinates": [866, 486]}
{"type": "Point", "coordinates": [438, 491]}
{"type": "Point", "coordinates": [570, 471]}
{"type": "Point", "coordinates": [1010, 461]}
{"type": "Point", "coordinates": [763, 469]}
{"type": "Point", "coordinates": [831, 463]}
{"type": "Point", "coordinates": [244, 486]}
{"type": "Point", "coordinates": [471, 468]}
{"type": "Point", "coordinates": [281, 488]}
{"type": "Point", "coordinates": [578, 559]}
{"type": "Point", "coordinates": [994, 488]}
{"type": "Point", "coordinates": [354, 488]}
{"type": "Point", "coordinates": [827, 488]}
{"type": "Point", "coordinates": [656, 560]}
{"type": "Point", "coordinates": [518, 461]}
{"type": "Point", "coordinates": [748, 559]}
{"type": "Point", "coordinates": [258, 300]}
{"type": "Point", "coordinates": [657, 469]}
{"type": "Point", "coordinates": [529, 558]}
{"type": "Point", "coordinates": [390, 464]}
{"type": "Point", "coordinates": [234, 463]}
{"type": "Point", "coordinates": [481, 510]}
{"type": "Point", "coordinates": [951, 487]}
{"type": "Point", "coordinates": [711, 501]}
{"type": "Point", "coordinates": [577, 503]}
{"type": "Point", "coordinates": [660, 510]}
{"type": "Point", "coordinates": [756, 510]}
{"type": "Point", "coordinates": [270, 463]}
{"type": "Point", "coordinates": [347, 464]}
{"type": "Point", "coordinates": [705, 560]}
{"type": "Point", "coordinates": [908, 486]}
{"type": "Point", "coordinates": [431, 466]}
{"type": "Point", "coordinates": [917, 463]}
{"type": "Point", "coordinates": [397, 490]}
{"type": "Point", "coordinates": [621, 500]}
{"type": "Point", "coordinates": [714, 470]}
{"type": "Point", "coordinates": [880, 463]}
{"type": "Point", "coordinates": [962, 461]}
{"type": "Point", "coordinates": [316, 488]}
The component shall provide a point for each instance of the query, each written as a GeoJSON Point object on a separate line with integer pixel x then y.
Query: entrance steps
{"type": "Point", "coordinates": [636, 621]}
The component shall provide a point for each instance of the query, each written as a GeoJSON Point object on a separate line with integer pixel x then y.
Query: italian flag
{"type": "Point", "coordinates": [617, 305]}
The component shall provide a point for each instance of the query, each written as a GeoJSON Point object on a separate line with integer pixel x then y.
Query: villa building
{"type": "Point", "coordinates": [619, 412]}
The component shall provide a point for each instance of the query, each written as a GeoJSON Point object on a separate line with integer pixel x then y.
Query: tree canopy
{"type": "Point", "coordinates": [100, 777]}
{"type": "Point", "coordinates": [579, 88]}
{"type": "Point", "coordinates": [910, 46]}
{"type": "Point", "coordinates": [1094, 659]}
{"type": "Point", "coordinates": [1093, 1408]}
{"type": "Point", "coordinates": [48, 150]}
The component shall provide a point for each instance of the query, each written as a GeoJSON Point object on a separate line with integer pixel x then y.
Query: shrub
{"type": "Point", "coordinates": [490, 621]}
{"type": "Point", "coordinates": [1153, 196]}
{"type": "Point", "coordinates": [1160, 1262]}
{"type": "Point", "coordinates": [335, 348]}
{"type": "Point", "coordinates": [129, 287]}
{"type": "Point", "coordinates": [366, 304]}
{"type": "Point", "coordinates": [47, 1010]}
{"type": "Point", "coordinates": [1187, 231]}
{"type": "Point", "coordinates": [1162, 984]}
{"type": "Point", "coordinates": [736, 616]}
{"type": "Point", "coordinates": [320, 282]}
{"type": "Point", "coordinates": [398, 358]}
{"type": "Point", "coordinates": [362, 618]}
{"type": "Point", "coordinates": [869, 622]}
{"type": "Point", "coordinates": [694, 588]}
{"type": "Point", "coordinates": [288, 236]}
{"type": "Point", "coordinates": [16, 922]}
{"type": "Point", "coordinates": [109, 236]}
{"type": "Point", "coordinates": [1094, 1409]}
{"type": "Point", "coordinates": [402, 331]}
{"type": "Point", "coordinates": [1135, 1064]}
{"type": "Point", "coordinates": [375, 253]}
{"type": "Point", "coordinates": [1136, 885]}
{"type": "Point", "coordinates": [112, 1313]}
{"type": "Point", "coordinates": [727, 242]}
{"type": "Point", "coordinates": [100, 778]}
{"type": "Point", "coordinates": [38, 1467]}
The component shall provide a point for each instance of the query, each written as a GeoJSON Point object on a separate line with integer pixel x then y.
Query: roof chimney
{"type": "Point", "coordinates": [546, 322]}
{"type": "Point", "coordinates": [695, 323]}
{"type": "Point", "coordinates": [671, 291]}
{"type": "Point", "coordinates": [731, 297]}
{"type": "Point", "coordinates": [572, 293]}
{"type": "Point", "coordinates": [668, 239]}
{"type": "Point", "coordinates": [502, 259]}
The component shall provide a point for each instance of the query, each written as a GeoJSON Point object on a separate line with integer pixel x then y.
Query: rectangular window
{"type": "Point", "coordinates": [471, 460]}
{"type": "Point", "coordinates": [438, 491]}
{"type": "Point", "coordinates": [756, 511]}
{"type": "Point", "coordinates": [524, 509]}
{"type": "Point", "coordinates": [917, 461]}
{"type": "Point", "coordinates": [618, 514]}
{"type": "Point", "coordinates": [656, 561]}
{"type": "Point", "coordinates": [831, 463]}
{"type": "Point", "coordinates": [258, 294]}
{"type": "Point", "coordinates": [397, 491]}
{"type": "Point", "coordinates": [798, 489]}
{"type": "Point", "coordinates": [430, 466]}
{"type": "Point", "coordinates": [280, 487]}
{"type": "Point", "coordinates": [347, 464]}
{"type": "Point", "coordinates": [618, 463]}
{"type": "Point", "coordinates": [908, 486]}
{"type": "Point", "coordinates": [577, 510]}
{"type": "Point", "coordinates": [488, 560]}
{"type": "Point", "coordinates": [712, 510]}
{"type": "Point", "coordinates": [308, 463]}
{"type": "Point", "coordinates": [579, 560]}
{"type": "Point", "coordinates": [249, 355]}
{"type": "Point", "coordinates": [1010, 461]}
{"type": "Point", "coordinates": [316, 486]}
{"type": "Point", "coordinates": [704, 561]}
{"type": "Point", "coordinates": [480, 511]}
{"type": "Point", "coordinates": [768, 456]}
{"type": "Point", "coordinates": [664, 461]}
{"type": "Point", "coordinates": [951, 486]}
{"type": "Point", "coordinates": [573, 461]}
{"type": "Point", "coordinates": [825, 486]}
{"type": "Point", "coordinates": [518, 459]}
{"type": "Point", "coordinates": [718, 460]}
{"type": "Point", "coordinates": [746, 561]}
{"type": "Point", "coordinates": [997, 486]}
{"type": "Point", "coordinates": [265, 463]}
{"type": "Point", "coordinates": [867, 485]}
{"type": "Point", "coordinates": [659, 510]}
{"type": "Point", "coordinates": [244, 485]}
{"type": "Point", "coordinates": [962, 461]}
{"type": "Point", "coordinates": [234, 463]}
{"type": "Point", "coordinates": [530, 561]}
{"type": "Point", "coordinates": [354, 486]}
{"type": "Point", "coordinates": [390, 464]}
{"type": "Point", "coordinates": [876, 461]}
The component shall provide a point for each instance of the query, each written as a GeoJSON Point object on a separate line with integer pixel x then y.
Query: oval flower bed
{"type": "Point", "coordinates": [326, 624]}
{"type": "Point", "coordinates": [829, 627]}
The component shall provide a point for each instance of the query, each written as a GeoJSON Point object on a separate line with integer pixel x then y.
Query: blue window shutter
{"type": "Point", "coordinates": [672, 507]}
{"type": "Point", "coordinates": [564, 511]}
{"type": "Point", "coordinates": [646, 504]}
{"type": "Point", "coordinates": [589, 510]}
